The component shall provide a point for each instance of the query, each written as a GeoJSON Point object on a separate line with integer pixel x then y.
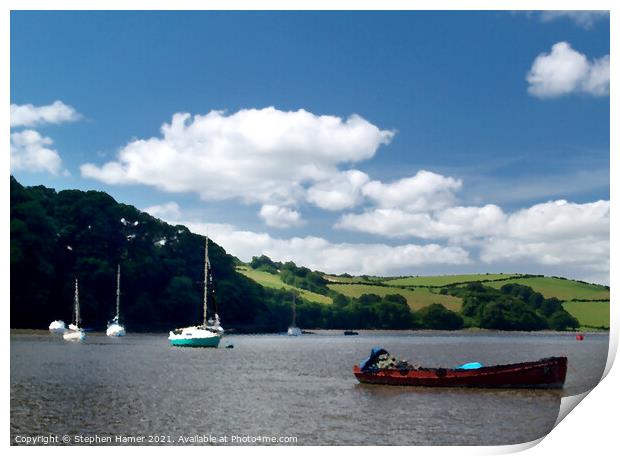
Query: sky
{"type": "Point", "coordinates": [386, 143]}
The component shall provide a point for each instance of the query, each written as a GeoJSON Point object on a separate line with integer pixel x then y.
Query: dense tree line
{"type": "Point", "coordinates": [56, 236]}
{"type": "Point", "coordinates": [369, 311]}
{"type": "Point", "coordinates": [512, 307]}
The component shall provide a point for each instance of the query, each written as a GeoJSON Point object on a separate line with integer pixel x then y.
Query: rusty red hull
{"type": "Point", "coordinates": [544, 373]}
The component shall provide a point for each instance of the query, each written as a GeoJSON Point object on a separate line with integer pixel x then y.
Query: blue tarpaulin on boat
{"type": "Point", "coordinates": [467, 366]}
{"type": "Point", "coordinates": [374, 354]}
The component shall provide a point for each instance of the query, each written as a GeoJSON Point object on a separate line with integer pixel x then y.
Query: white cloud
{"type": "Point", "coordinates": [557, 220]}
{"type": "Point", "coordinates": [597, 82]}
{"type": "Point", "coordinates": [319, 254]}
{"type": "Point", "coordinates": [564, 71]}
{"type": "Point", "coordinates": [589, 253]}
{"type": "Point", "coordinates": [584, 19]}
{"type": "Point", "coordinates": [556, 233]}
{"type": "Point", "coordinates": [339, 192]}
{"type": "Point", "coordinates": [166, 211]}
{"type": "Point", "coordinates": [262, 156]}
{"type": "Point", "coordinates": [552, 220]}
{"type": "Point", "coordinates": [279, 217]}
{"type": "Point", "coordinates": [29, 115]}
{"type": "Point", "coordinates": [454, 223]}
{"type": "Point", "coordinates": [30, 152]}
{"type": "Point", "coordinates": [423, 192]}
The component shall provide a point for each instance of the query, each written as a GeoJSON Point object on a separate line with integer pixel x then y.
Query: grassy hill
{"type": "Point", "coordinates": [269, 280]}
{"type": "Point", "coordinates": [562, 289]}
{"type": "Point", "coordinates": [589, 314]}
{"type": "Point", "coordinates": [416, 298]}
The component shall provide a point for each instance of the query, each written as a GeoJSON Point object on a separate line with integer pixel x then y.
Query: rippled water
{"type": "Point", "coordinates": [271, 385]}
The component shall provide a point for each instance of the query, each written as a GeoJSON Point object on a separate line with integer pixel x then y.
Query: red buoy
{"type": "Point", "coordinates": [579, 337]}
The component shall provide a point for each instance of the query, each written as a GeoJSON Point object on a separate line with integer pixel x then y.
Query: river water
{"type": "Point", "coordinates": [277, 389]}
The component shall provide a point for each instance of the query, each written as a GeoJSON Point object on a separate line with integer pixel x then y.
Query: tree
{"type": "Point", "coordinates": [562, 320]}
{"type": "Point", "coordinates": [436, 316]}
{"type": "Point", "coordinates": [394, 313]}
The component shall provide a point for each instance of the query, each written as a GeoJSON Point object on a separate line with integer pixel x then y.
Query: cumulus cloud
{"type": "Point", "coordinates": [565, 70]}
{"type": "Point", "coordinates": [556, 233]}
{"type": "Point", "coordinates": [320, 254]}
{"type": "Point", "coordinates": [584, 19]}
{"type": "Point", "coordinates": [279, 217]}
{"type": "Point", "coordinates": [423, 192]}
{"type": "Point", "coordinates": [31, 152]}
{"type": "Point", "coordinates": [560, 220]}
{"type": "Point", "coordinates": [343, 190]}
{"type": "Point", "coordinates": [264, 156]}
{"type": "Point", "coordinates": [166, 211]}
{"type": "Point", "coordinates": [29, 115]}
{"type": "Point", "coordinates": [454, 223]}
{"type": "Point", "coordinates": [589, 253]}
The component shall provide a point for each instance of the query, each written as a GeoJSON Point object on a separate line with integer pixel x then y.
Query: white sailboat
{"type": "Point", "coordinates": [209, 333]}
{"type": "Point", "coordinates": [75, 332]}
{"type": "Point", "coordinates": [115, 329]}
{"type": "Point", "coordinates": [57, 327]}
{"type": "Point", "coordinates": [293, 330]}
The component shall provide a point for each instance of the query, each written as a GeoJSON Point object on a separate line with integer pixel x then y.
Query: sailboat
{"type": "Point", "coordinates": [209, 333]}
{"type": "Point", "coordinates": [115, 329]}
{"type": "Point", "coordinates": [75, 332]}
{"type": "Point", "coordinates": [293, 330]}
{"type": "Point", "coordinates": [57, 327]}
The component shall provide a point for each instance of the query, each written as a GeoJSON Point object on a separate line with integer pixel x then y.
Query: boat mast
{"type": "Point", "coordinates": [206, 279]}
{"type": "Point", "coordinates": [76, 302]}
{"type": "Point", "coordinates": [118, 291]}
{"type": "Point", "coordinates": [294, 311]}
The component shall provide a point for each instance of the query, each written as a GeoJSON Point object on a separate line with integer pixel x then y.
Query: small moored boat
{"type": "Point", "coordinates": [544, 373]}
{"type": "Point", "coordinates": [75, 333]}
{"type": "Point", "coordinates": [57, 327]}
{"type": "Point", "coordinates": [293, 330]}
{"type": "Point", "coordinates": [115, 329]}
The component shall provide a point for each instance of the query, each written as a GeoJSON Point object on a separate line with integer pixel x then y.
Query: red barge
{"type": "Point", "coordinates": [544, 373]}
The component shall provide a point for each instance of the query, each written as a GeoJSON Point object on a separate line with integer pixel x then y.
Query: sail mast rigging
{"type": "Point", "coordinates": [206, 280]}
{"type": "Point", "coordinates": [294, 311]}
{"type": "Point", "coordinates": [118, 292]}
{"type": "Point", "coordinates": [76, 303]}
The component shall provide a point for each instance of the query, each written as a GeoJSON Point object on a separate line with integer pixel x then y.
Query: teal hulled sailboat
{"type": "Point", "coordinates": [209, 333]}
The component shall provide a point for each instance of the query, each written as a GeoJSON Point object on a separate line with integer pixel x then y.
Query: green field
{"type": "Point", "coordinates": [592, 314]}
{"type": "Point", "coordinates": [564, 290]}
{"type": "Point", "coordinates": [418, 298]}
{"type": "Point", "coordinates": [273, 281]}
{"type": "Point", "coordinates": [439, 281]}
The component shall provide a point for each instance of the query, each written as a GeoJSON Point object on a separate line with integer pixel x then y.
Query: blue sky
{"type": "Point", "coordinates": [445, 93]}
